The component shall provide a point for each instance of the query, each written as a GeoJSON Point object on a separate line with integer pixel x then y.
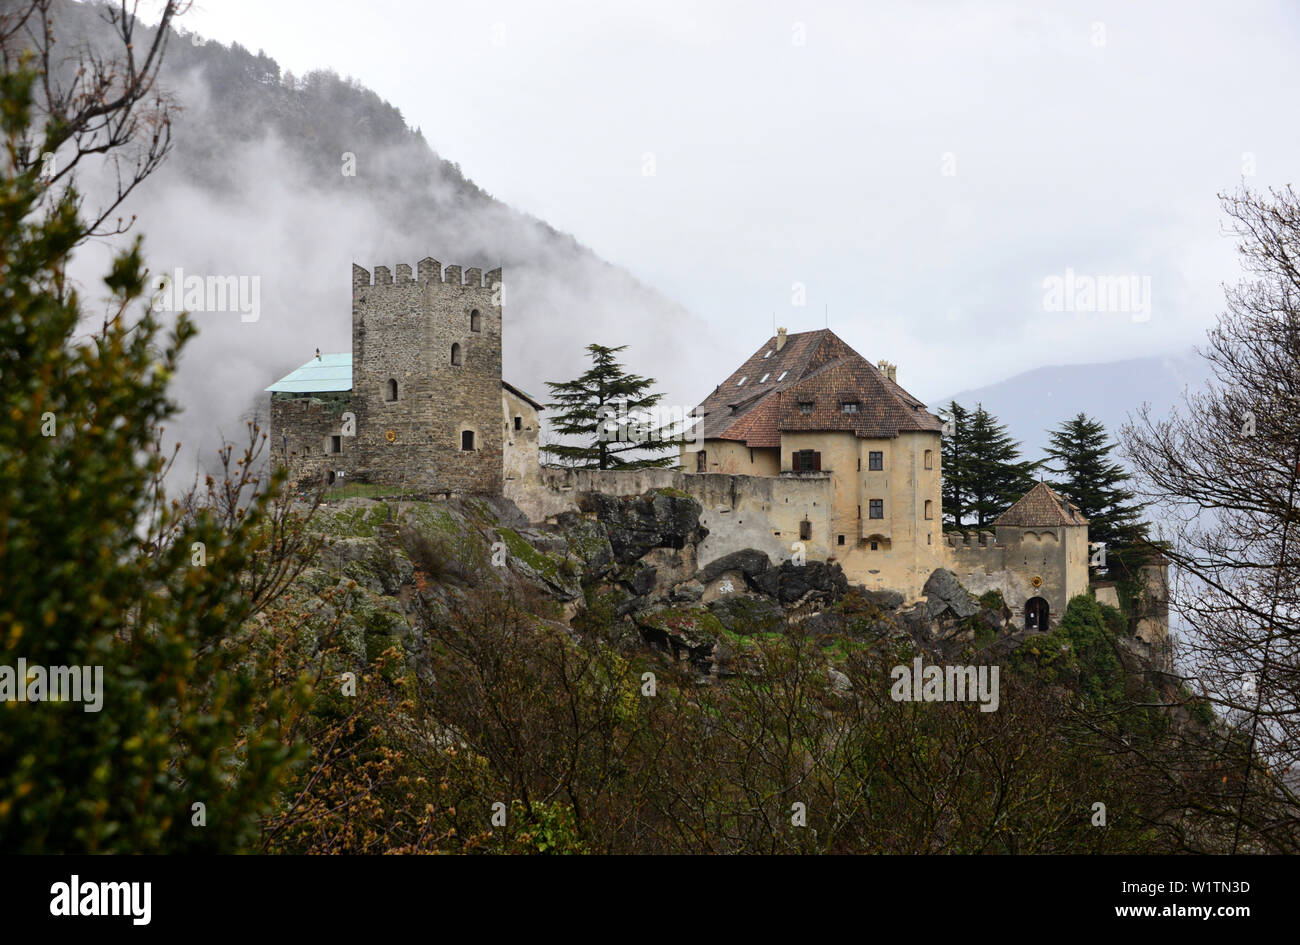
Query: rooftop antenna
{"type": "Point", "coordinates": [826, 316]}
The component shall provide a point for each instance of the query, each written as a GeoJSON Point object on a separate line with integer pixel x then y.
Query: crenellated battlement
{"type": "Point", "coordinates": [427, 271]}
{"type": "Point", "coordinates": [970, 541]}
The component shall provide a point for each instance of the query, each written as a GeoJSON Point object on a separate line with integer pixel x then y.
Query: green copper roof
{"type": "Point", "coordinates": [326, 373]}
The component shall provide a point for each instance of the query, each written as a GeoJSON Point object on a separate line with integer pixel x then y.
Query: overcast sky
{"type": "Point", "coordinates": [920, 168]}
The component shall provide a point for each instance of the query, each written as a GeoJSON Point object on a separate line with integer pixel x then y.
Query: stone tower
{"type": "Point", "coordinates": [426, 378]}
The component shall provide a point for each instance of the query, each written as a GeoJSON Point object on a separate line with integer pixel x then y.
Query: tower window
{"type": "Point", "coordinates": [467, 440]}
{"type": "Point", "coordinates": [475, 321]}
{"type": "Point", "coordinates": [701, 462]}
{"type": "Point", "coordinates": [929, 459]}
{"type": "Point", "coordinates": [805, 530]}
{"type": "Point", "coordinates": [519, 423]}
{"type": "Point", "coordinates": [456, 357]}
{"type": "Point", "coordinates": [336, 444]}
{"type": "Point", "coordinates": [841, 541]}
{"type": "Point", "coordinates": [390, 390]}
{"type": "Point", "coordinates": [875, 546]}
{"type": "Point", "coordinates": [929, 508]}
{"type": "Point", "coordinates": [875, 460]}
{"type": "Point", "coordinates": [876, 508]}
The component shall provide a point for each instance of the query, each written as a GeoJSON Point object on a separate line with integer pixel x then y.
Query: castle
{"type": "Point", "coordinates": [808, 407]}
{"type": "Point", "coordinates": [805, 449]}
{"type": "Point", "coordinates": [419, 403]}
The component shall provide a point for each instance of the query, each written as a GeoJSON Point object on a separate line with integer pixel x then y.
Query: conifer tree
{"type": "Point", "coordinates": [955, 453]}
{"type": "Point", "coordinates": [612, 413]}
{"type": "Point", "coordinates": [994, 475]}
{"type": "Point", "coordinates": [1079, 456]}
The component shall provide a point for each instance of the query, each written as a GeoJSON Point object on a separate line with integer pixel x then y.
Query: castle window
{"type": "Point", "coordinates": [701, 462]}
{"type": "Point", "coordinates": [849, 406]}
{"type": "Point", "coordinates": [467, 440]}
{"type": "Point", "coordinates": [390, 390]}
{"type": "Point", "coordinates": [841, 541]}
{"type": "Point", "coordinates": [805, 530]}
{"type": "Point", "coordinates": [806, 406]}
{"type": "Point", "coordinates": [929, 459]}
{"type": "Point", "coordinates": [456, 357]}
{"type": "Point", "coordinates": [806, 461]}
{"type": "Point", "coordinates": [929, 508]}
{"type": "Point", "coordinates": [875, 546]}
{"type": "Point", "coordinates": [876, 508]}
{"type": "Point", "coordinates": [519, 423]}
{"type": "Point", "coordinates": [875, 460]}
{"type": "Point", "coordinates": [336, 444]}
{"type": "Point", "coordinates": [475, 321]}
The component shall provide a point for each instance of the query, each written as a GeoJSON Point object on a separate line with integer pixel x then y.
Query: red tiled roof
{"type": "Point", "coordinates": [818, 367]}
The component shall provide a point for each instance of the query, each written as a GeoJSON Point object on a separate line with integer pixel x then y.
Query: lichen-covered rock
{"type": "Point", "coordinates": [635, 524]}
{"type": "Point", "coordinates": [589, 542]}
{"type": "Point", "coordinates": [944, 594]}
{"type": "Point", "coordinates": [887, 601]}
{"type": "Point", "coordinates": [374, 563]}
{"type": "Point", "coordinates": [687, 633]}
{"type": "Point", "coordinates": [688, 591]}
{"type": "Point", "coordinates": [750, 562]}
{"type": "Point", "coordinates": [827, 623]}
{"type": "Point", "coordinates": [541, 559]}
{"type": "Point", "coordinates": [748, 614]}
{"type": "Point", "coordinates": [791, 582]}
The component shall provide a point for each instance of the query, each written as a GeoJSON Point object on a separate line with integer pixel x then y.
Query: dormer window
{"type": "Point", "coordinates": [763, 379]}
{"type": "Point", "coordinates": [849, 406]}
{"type": "Point", "coordinates": [806, 406]}
{"type": "Point", "coordinates": [769, 353]}
{"type": "Point", "coordinates": [782, 377]}
{"type": "Point", "coordinates": [741, 382]}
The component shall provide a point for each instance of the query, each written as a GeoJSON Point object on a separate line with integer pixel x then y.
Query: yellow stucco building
{"type": "Point", "coordinates": [808, 406]}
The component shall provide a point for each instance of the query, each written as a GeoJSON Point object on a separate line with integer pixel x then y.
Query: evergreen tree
{"type": "Point", "coordinates": [612, 411]}
{"type": "Point", "coordinates": [994, 475]}
{"type": "Point", "coordinates": [1079, 456]}
{"type": "Point", "coordinates": [955, 453]}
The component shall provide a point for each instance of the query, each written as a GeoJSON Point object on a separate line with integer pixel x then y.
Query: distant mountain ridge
{"type": "Point", "coordinates": [1034, 402]}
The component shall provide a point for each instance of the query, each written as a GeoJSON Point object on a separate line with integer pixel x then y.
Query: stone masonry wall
{"type": "Point", "coordinates": [301, 428]}
{"type": "Point", "coordinates": [403, 329]}
{"type": "Point", "coordinates": [762, 512]}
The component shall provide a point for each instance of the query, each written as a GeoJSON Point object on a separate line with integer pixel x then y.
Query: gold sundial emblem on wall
{"type": "Point", "coordinates": [390, 435]}
{"type": "Point", "coordinates": [1036, 581]}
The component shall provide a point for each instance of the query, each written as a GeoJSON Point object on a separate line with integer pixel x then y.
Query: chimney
{"type": "Point", "coordinates": [889, 370]}
{"type": "Point", "coordinates": [318, 354]}
{"type": "Point", "coordinates": [780, 338]}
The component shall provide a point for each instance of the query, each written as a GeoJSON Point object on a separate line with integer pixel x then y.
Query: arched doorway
{"type": "Point", "coordinates": [1037, 614]}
